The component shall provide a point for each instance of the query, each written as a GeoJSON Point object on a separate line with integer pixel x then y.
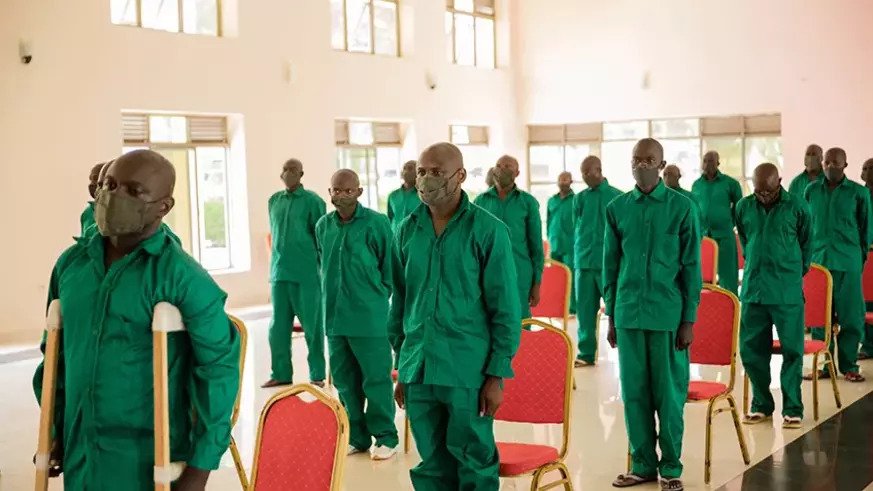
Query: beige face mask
{"type": "Point", "coordinates": [119, 214]}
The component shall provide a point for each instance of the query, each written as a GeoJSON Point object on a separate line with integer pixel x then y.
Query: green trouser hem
{"type": "Point", "coordinates": [756, 343]}
{"type": "Point", "coordinates": [567, 260]}
{"type": "Point", "coordinates": [654, 381]}
{"type": "Point", "coordinates": [849, 312]}
{"type": "Point", "coordinates": [728, 267]}
{"type": "Point", "coordinates": [361, 369]}
{"type": "Point", "coordinates": [589, 293]}
{"type": "Point", "coordinates": [456, 445]}
{"type": "Point", "coordinates": [301, 300]}
{"type": "Point", "coordinates": [867, 343]}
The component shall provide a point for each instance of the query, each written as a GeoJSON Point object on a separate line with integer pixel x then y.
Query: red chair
{"type": "Point", "coordinates": [716, 335]}
{"type": "Point", "coordinates": [818, 287]}
{"type": "Point", "coordinates": [538, 394]}
{"type": "Point", "coordinates": [867, 284]}
{"type": "Point", "coordinates": [555, 291]}
{"type": "Point", "coordinates": [301, 444]}
{"type": "Point", "coordinates": [547, 249]}
{"type": "Point", "coordinates": [709, 260]}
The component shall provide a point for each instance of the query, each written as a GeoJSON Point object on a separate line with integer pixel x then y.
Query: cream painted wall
{"type": "Point", "coordinates": [584, 60]}
{"type": "Point", "coordinates": [60, 114]}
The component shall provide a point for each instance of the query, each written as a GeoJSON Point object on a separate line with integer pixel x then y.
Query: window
{"type": "Point", "coordinates": [198, 147]}
{"type": "Point", "coordinates": [187, 16]}
{"type": "Point", "coordinates": [478, 158]}
{"type": "Point", "coordinates": [365, 26]}
{"type": "Point", "coordinates": [373, 151]}
{"type": "Point", "coordinates": [470, 32]}
{"type": "Point", "coordinates": [743, 143]}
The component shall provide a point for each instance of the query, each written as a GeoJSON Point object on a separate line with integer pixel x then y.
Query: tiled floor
{"type": "Point", "coordinates": [597, 446]}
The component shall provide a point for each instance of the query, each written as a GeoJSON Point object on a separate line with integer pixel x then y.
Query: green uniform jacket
{"type": "Point", "coordinates": [688, 194]}
{"type": "Point", "coordinates": [355, 259]}
{"type": "Point", "coordinates": [293, 216]}
{"type": "Point", "coordinates": [589, 215]}
{"type": "Point", "coordinates": [105, 391]}
{"type": "Point", "coordinates": [559, 223]}
{"type": "Point", "coordinates": [402, 202]}
{"type": "Point", "coordinates": [798, 185]}
{"type": "Point", "coordinates": [840, 224]}
{"type": "Point", "coordinates": [651, 260]}
{"type": "Point", "coordinates": [777, 246]}
{"type": "Point", "coordinates": [455, 316]}
{"type": "Point", "coordinates": [520, 211]}
{"type": "Point", "coordinates": [717, 199]}
{"type": "Point", "coordinates": [86, 220]}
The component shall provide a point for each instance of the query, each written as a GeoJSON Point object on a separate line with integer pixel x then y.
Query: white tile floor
{"type": "Point", "coordinates": [597, 446]}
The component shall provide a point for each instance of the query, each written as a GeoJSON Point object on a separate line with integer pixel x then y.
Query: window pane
{"type": "Point", "coordinates": [388, 169]}
{"type": "Point", "coordinates": [484, 43]}
{"type": "Point", "coordinates": [179, 218]}
{"type": "Point", "coordinates": [760, 149]}
{"type": "Point", "coordinates": [337, 26]}
{"type": "Point", "coordinates": [465, 44]}
{"type": "Point", "coordinates": [542, 192]}
{"type": "Point", "coordinates": [617, 164]}
{"type": "Point", "coordinates": [546, 162]}
{"type": "Point", "coordinates": [213, 207]}
{"type": "Point", "coordinates": [358, 16]}
{"type": "Point", "coordinates": [686, 154]}
{"type": "Point", "coordinates": [672, 128]}
{"type": "Point", "coordinates": [631, 130]}
{"type": "Point", "coordinates": [385, 25]}
{"type": "Point", "coordinates": [358, 160]}
{"type": "Point", "coordinates": [450, 37]}
{"type": "Point", "coordinates": [465, 5]}
{"type": "Point", "coordinates": [168, 129]}
{"type": "Point", "coordinates": [460, 134]}
{"type": "Point", "coordinates": [201, 17]}
{"type": "Point", "coordinates": [360, 133]}
{"type": "Point", "coordinates": [730, 152]}
{"type": "Point", "coordinates": [574, 156]}
{"type": "Point", "coordinates": [161, 14]}
{"type": "Point", "coordinates": [477, 161]}
{"type": "Point", "coordinates": [123, 12]}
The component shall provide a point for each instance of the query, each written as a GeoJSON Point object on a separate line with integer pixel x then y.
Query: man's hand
{"type": "Point", "coordinates": [399, 396]}
{"type": "Point", "coordinates": [192, 479]}
{"type": "Point", "coordinates": [685, 336]}
{"type": "Point", "coordinates": [610, 333]}
{"type": "Point", "coordinates": [56, 459]}
{"type": "Point", "coordinates": [534, 298]}
{"type": "Point", "coordinates": [491, 396]}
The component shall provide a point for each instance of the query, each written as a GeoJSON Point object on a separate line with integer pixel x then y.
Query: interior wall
{"type": "Point", "coordinates": [589, 60]}
{"type": "Point", "coordinates": [61, 114]}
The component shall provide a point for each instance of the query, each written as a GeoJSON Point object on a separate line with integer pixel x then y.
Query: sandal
{"type": "Point", "coordinates": [791, 422]}
{"type": "Point", "coordinates": [672, 485]}
{"type": "Point", "coordinates": [631, 479]}
{"type": "Point", "coordinates": [755, 418]}
{"type": "Point", "coordinates": [854, 377]}
{"type": "Point", "coordinates": [822, 375]}
{"type": "Point", "coordinates": [269, 384]}
{"type": "Point", "coordinates": [582, 363]}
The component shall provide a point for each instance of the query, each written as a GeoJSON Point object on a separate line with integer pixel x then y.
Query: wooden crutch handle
{"type": "Point", "coordinates": [53, 326]}
{"type": "Point", "coordinates": [167, 318]}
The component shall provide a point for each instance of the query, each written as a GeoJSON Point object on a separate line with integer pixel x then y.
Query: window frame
{"type": "Point", "coordinates": [219, 27]}
{"type": "Point", "coordinates": [372, 52]}
{"type": "Point", "coordinates": [450, 9]}
{"type": "Point", "coordinates": [343, 142]}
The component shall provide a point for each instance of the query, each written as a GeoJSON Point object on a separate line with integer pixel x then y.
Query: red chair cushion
{"type": "Point", "coordinates": [701, 390]}
{"type": "Point", "coordinates": [810, 346]}
{"type": "Point", "coordinates": [521, 458]}
{"type": "Point", "coordinates": [868, 318]}
{"type": "Point", "coordinates": [394, 375]}
{"type": "Point", "coordinates": [297, 327]}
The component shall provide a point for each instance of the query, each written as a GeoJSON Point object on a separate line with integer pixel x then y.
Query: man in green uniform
{"type": "Point", "coordinates": [672, 176]}
{"type": "Point", "coordinates": [404, 200]}
{"type": "Point", "coordinates": [840, 211]}
{"type": "Point", "coordinates": [812, 172]}
{"type": "Point", "coordinates": [296, 287]}
{"type": "Point", "coordinates": [354, 249]}
{"type": "Point", "coordinates": [652, 282]}
{"type": "Point", "coordinates": [455, 323]}
{"type": "Point", "coordinates": [108, 285]}
{"type": "Point", "coordinates": [866, 351]}
{"type": "Point", "coordinates": [589, 217]}
{"type": "Point", "coordinates": [521, 213]}
{"type": "Point", "coordinates": [559, 224]}
{"type": "Point", "coordinates": [775, 231]}
{"type": "Point", "coordinates": [717, 194]}
{"type": "Point", "coordinates": [86, 219]}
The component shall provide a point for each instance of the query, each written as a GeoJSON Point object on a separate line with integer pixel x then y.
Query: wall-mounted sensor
{"type": "Point", "coordinates": [430, 80]}
{"type": "Point", "coordinates": [25, 52]}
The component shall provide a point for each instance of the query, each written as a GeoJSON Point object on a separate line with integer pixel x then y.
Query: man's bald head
{"type": "Point", "coordinates": [651, 148]}
{"type": "Point", "coordinates": [672, 176]}
{"type": "Point", "coordinates": [813, 159]}
{"type": "Point", "coordinates": [345, 179]}
{"type": "Point", "coordinates": [711, 161]}
{"type": "Point", "coordinates": [445, 156]}
{"type": "Point", "coordinates": [292, 172]}
{"type": "Point", "coordinates": [767, 183]}
{"type": "Point", "coordinates": [509, 163]}
{"type": "Point", "coordinates": [592, 171]}
{"type": "Point", "coordinates": [145, 176]}
{"type": "Point", "coordinates": [835, 164]}
{"type": "Point", "coordinates": [438, 166]}
{"type": "Point", "coordinates": [867, 172]}
{"type": "Point", "coordinates": [565, 180]}
{"type": "Point", "coordinates": [408, 173]}
{"type": "Point", "coordinates": [94, 178]}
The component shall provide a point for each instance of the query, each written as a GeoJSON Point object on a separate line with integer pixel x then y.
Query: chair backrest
{"type": "Point", "coordinates": [301, 444]}
{"type": "Point", "coordinates": [243, 344]}
{"type": "Point", "coordinates": [709, 260]}
{"type": "Point", "coordinates": [541, 388]}
{"type": "Point", "coordinates": [547, 249]}
{"type": "Point", "coordinates": [716, 329]}
{"type": "Point", "coordinates": [867, 278]}
{"type": "Point", "coordinates": [554, 291]}
{"type": "Point", "coordinates": [741, 259]}
{"type": "Point", "coordinates": [818, 287]}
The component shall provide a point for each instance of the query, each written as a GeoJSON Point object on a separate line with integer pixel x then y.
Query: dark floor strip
{"type": "Point", "coordinates": [835, 455]}
{"type": "Point", "coordinates": [27, 354]}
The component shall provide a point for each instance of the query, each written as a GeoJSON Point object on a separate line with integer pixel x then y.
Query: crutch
{"type": "Point", "coordinates": [49, 382]}
{"type": "Point", "coordinates": [167, 318]}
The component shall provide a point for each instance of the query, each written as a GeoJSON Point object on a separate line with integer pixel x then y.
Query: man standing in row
{"type": "Point", "coordinates": [717, 195]}
{"type": "Point", "coordinates": [866, 351]}
{"type": "Point", "coordinates": [775, 231]}
{"type": "Point", "coordinates": [652, 282]}
{"type": "Point", "coordinates": [296, 287]}
{"type": "Point", "coordinates": [86, 220]}
{"type": "Point", "coordinates": [840, 211]}
{"type": "Point", "coordinates": [589, 222]}
{"type": "Point", "coordinates": [354, 249]}
{"type": "Point", "coordinates": [672, 176]}
{"type": "Point", "coordinates": [521, 213]}
{"type": "Point", "coordinates": [812, 172]}
{"type": "Point", "coordinates": [403, 200]}
{"type": "Point", "coordinates": [559, 224]}
{"type": "Point", "coordinates": [455, 323]}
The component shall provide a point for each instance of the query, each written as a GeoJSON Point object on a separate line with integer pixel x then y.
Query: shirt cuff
{"type": "Point", "coordinates": [500, 366]}
{"type": "Point", "coordinates": [206, 457]}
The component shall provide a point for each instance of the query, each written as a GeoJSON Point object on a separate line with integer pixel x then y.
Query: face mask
{"type": "Point", "coordinates": [812, 162]}
{"type": "Point", "coordinates": [344, 202]}
{"type": "Point", "coordinates": [833, 174]}
{"type": "Point", "coordinates": [646, 178]}
{"type": "Point", "coordinates": [503, 178]}
{"type": "Point", "coordinates": [766, 198]}
{"type": "Point", "coordinates": [434, 190]}
{"type": "Point", "coordinates": [120, 214]}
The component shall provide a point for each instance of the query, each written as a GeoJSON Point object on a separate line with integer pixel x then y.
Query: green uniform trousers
{"type": "Point", "coordinates": [867, 344]}
{"type": "Point", "coordinates": [361, 369]}
{"type": "Point", "coordinates": [654, 381]}
{"type": "Point", "coordinates": [525, 281]}
{"type": "Point", "coordinates": [589, 283]}
{"type": "Point", "coordinates": [302, 300]}
{"type": "Point", "coordinates": [849, 313]}
{"type": "Point", "coordinates": [456, 445]}
{"type": "Point", "coordinates": [756, 343]}
{"type": "Point", "coordinates": [728, 266]}
{"type": "Point", "coordinates": [567, 260]}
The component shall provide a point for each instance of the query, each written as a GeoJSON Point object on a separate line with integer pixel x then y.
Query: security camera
{"type": "Point", "coordinates": [24, 52]}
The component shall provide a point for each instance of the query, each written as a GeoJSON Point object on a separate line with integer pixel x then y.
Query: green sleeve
{"type": "Point", "coordinates": [535, 239]}
{"type": "Point", "coordinates": [690, 275]}
{"type": "Point", "coordinates": [499, 278]}
{"type": "Point", "coordinates": [319, 239]}
{"type": "Point", "coordinates": [381, 246]}
{"type": "Point", "coordinates": [804, 235]}
{"type": "Point", "coordinates": [390, 207]}
{"type": "Point", "coordinates": [736, 194]}
{"type": "Point", "coordinates": [549, 214]}
{"type": "Point", "coordinates": [60, 399]}
{"type": "Point", "coordinates": [319, 209]}
{"type": "Point", "coordinates": [741, 231]}
{"type": "Point", "coordinates": [611, 261]}
{"type": "Point", "coordinates": [398, 300]}
{"type": "Point", "coordinates": [864, 217]}
{"type": "Point", "coordinates": [215, 347]}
